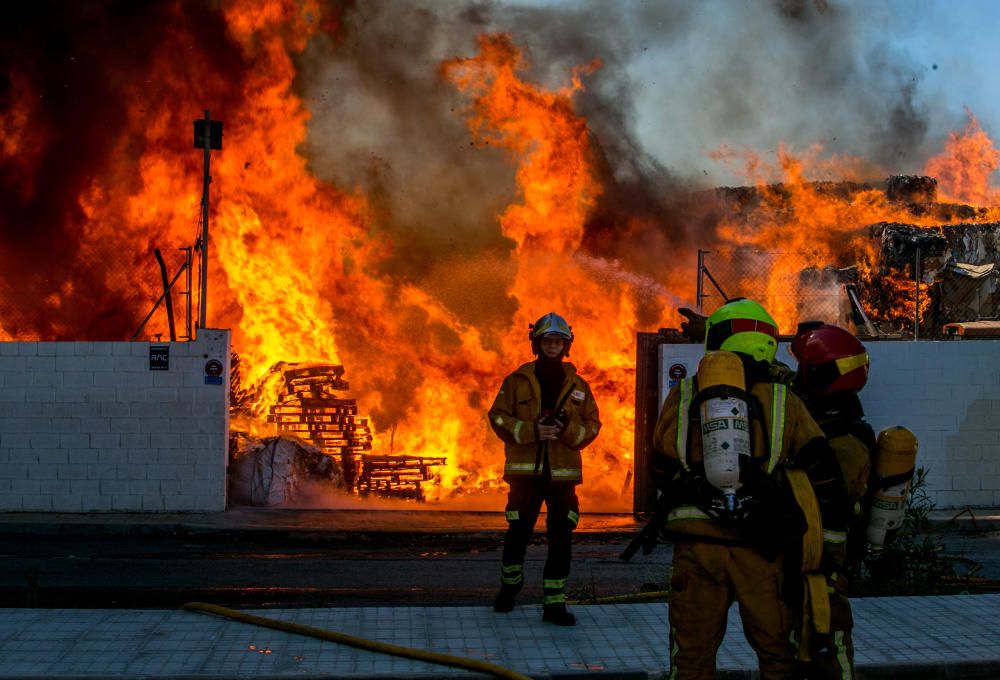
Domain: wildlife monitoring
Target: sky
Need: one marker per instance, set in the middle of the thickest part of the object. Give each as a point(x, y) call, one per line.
point(884, 80)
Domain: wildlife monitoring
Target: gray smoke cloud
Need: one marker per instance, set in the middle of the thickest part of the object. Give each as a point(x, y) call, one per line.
point(677, 80)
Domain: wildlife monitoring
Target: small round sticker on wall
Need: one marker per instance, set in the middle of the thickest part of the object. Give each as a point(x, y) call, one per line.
point(213, 367)
point(677, 372)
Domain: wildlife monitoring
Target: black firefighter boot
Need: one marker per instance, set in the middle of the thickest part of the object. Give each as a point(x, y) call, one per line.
point(558, 614)
point(504, 601)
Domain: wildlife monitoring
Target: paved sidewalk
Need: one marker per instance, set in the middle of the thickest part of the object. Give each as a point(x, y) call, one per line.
point(906, 637)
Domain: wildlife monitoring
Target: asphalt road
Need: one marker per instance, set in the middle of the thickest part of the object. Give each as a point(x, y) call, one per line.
point(152, 569)
point(237, 570)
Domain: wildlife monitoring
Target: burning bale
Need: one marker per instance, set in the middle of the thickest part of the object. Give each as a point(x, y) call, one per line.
point(281, 472)
point(956, 265)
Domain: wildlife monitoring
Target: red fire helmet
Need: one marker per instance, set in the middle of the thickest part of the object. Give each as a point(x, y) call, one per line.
point(830, 358)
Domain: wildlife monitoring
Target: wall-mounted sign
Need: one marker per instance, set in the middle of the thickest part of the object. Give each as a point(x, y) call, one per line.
point(159, 357)
point(213, 372)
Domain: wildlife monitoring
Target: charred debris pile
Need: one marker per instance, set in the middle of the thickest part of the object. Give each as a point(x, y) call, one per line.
point(319, 441)
point(956, 260)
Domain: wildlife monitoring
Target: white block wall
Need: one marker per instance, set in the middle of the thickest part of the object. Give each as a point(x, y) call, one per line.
point(87, 426)
point(947, 393)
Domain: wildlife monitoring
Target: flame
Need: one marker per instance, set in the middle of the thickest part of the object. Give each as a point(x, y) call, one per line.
point(964, 169)
point(301, 271)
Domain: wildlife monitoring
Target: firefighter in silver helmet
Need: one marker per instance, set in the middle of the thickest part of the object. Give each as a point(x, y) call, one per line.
point(545, 414)
point(739, 529)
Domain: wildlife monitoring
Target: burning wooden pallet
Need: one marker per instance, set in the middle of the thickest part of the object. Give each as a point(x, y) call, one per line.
point(309, 408)
point(396, 476)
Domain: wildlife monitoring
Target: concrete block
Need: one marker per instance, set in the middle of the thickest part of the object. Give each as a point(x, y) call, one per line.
point(98, 395)
point(24, 424)
point(15, 440)
point(107, 379)
point(950, 499)
point(36, 503)
point(134, 440)
point(25, 487)
point(78, 379)
point(14, 394)
point(113, 487)
point(82, 457)
point(46, 349)
point(185, 473)
point(168, 487)
point(96, 425)
point(64, 425)
point(964, 482)
point(40, 471)
point(165, 440)
point(20, 471)
point(210, 425)
point(95, 502)
point(190, 439)
point(50, 441)
point(178, 457)
point(10, 364)
point(123, 425)
point(130, 471)
point(55, 487)
point(153, 503)
point(126, 503)
point(120, 349)
point(979, 499)
point(142, 456)
point(210, 503)
point(138, 379)
point(52, 458)
point(40, 366)
point(6, 486)
point(18, 348)
point(10, 379)
point(70, 410)
point(141, 349)
point(179, 503)
point(144, 487)
point(114, 410)
point(39, 395)
point(112, 456)
point(65, 349)
point(10, 502)
point(105, 441)
point(168, 379)
point(75, 441)
point(102, 471)
point(162, 472)
point(149, 424)
point(71, 471)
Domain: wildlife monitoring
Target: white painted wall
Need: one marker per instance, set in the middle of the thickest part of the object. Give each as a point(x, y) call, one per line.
point(947, 393)
point(88, 426)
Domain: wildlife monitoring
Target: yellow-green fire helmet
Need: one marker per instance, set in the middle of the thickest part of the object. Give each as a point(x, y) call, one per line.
point(742, 326)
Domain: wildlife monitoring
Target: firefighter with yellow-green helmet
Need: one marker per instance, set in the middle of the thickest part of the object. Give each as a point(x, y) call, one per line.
point(753, 487)
point(545, 414)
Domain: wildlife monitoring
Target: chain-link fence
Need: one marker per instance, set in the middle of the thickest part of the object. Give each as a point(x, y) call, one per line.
point(794, 287)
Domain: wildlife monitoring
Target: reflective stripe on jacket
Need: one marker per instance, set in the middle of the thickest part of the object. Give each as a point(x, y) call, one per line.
point(517, 408)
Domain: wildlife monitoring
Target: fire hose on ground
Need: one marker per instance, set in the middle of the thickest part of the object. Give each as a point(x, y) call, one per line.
point(362, 643)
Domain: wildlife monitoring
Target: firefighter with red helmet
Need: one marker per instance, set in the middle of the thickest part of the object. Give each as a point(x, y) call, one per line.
point(545, 414)
point(753, 489)
point(832, 369)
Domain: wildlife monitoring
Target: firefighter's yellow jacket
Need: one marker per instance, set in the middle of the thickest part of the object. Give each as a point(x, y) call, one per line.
point(516, 410)
point(784, 429)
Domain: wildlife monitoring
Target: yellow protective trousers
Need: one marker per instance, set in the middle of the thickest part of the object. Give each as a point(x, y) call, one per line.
point(706, 579)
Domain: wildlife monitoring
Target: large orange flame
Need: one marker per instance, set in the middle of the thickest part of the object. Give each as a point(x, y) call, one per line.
point(967, 165)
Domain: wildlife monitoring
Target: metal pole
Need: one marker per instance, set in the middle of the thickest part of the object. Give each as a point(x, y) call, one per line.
point(202, 319)
point(701, 278)
point(916, 298)
point(187, 264)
